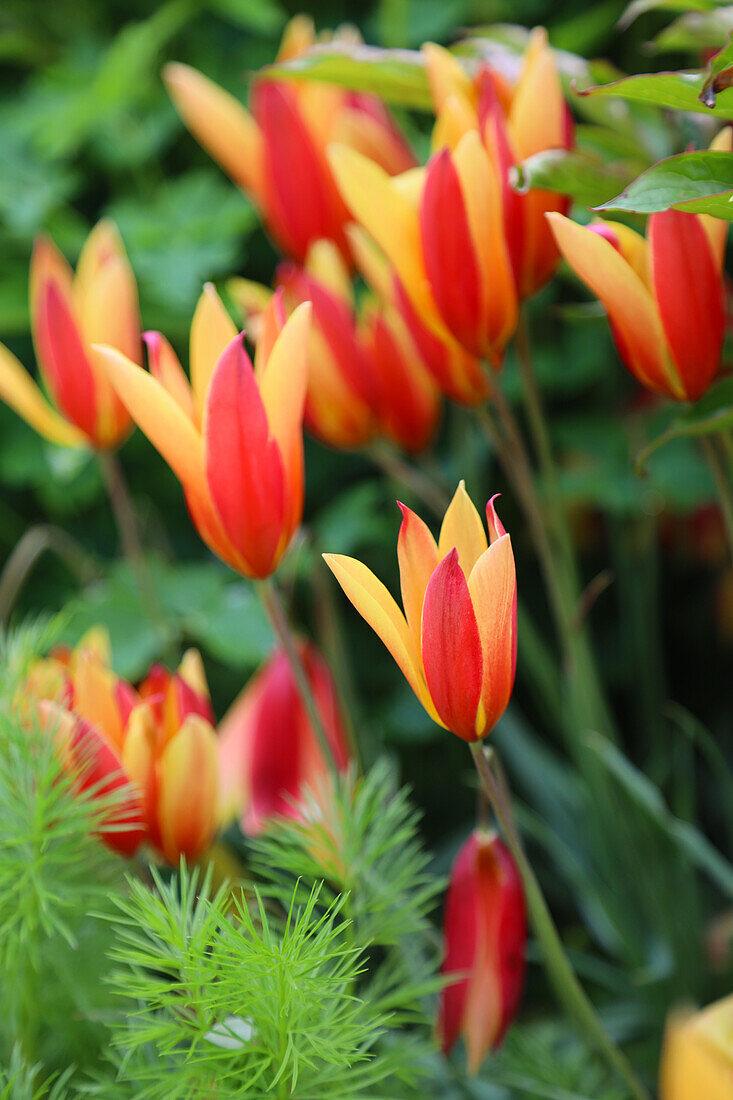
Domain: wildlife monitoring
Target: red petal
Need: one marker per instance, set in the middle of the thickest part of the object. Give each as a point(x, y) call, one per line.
point(460, 936)
point(450, 260)
point(451, 648)
point(689, 293)
point(492, 125)
point(244, 467)
point(63, 359)
point(99, 770)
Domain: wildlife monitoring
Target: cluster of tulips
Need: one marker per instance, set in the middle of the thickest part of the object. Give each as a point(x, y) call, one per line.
point(448, 252)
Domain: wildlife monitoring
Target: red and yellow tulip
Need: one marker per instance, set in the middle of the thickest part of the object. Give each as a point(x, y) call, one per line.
point(697, 1058)
point(70, 312)
point(663, 294)
point(484, 937)
point(233, 434)
point(268, 750)
point(456, 642)
point(277, 154)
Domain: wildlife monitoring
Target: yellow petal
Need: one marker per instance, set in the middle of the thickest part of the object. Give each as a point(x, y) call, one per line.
point(717, 228)
point(188, 791)
point(417, 554)
point(537, 116)
point(299, 34)
point(250, 299)
point(456, 119)
point(462, 528)
point(95, 699)
point(211, 330)
point(326, 264)
point(166, 368)
point(20, 392)
point(284, 378)
point(697, 1057)
point(371, 262)
point(191, 670)
point(492, 585)
point(448, 79)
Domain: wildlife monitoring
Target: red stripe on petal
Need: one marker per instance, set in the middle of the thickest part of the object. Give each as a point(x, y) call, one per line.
point(450, 259)
point(689, 293)
point(64, 361)
point(451, 648)
point(492, 124)
point(244, 467)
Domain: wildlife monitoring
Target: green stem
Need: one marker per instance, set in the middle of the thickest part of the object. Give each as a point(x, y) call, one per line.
point(419, 483)
point(272, 604)
point(35, 542)
point(567, 988)
point(722, 484)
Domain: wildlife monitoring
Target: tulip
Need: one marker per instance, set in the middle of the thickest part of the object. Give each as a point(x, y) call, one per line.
point(233, 435)
point(697, 1058)
point(276, 154)
point(514, 121)
point(456, 643)
point(268, 750)
point(70, 312)
point(173, 696)
point(484, 936)
point(664, 295)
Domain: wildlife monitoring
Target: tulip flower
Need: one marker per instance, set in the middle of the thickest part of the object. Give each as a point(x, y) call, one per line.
point(514, 121)
point(70, 312)
point(233, 435)
point(484, 936)
point(456, 642)
point(697, 1058)
point(663, 294)
point(276, 154)
point(268, 750)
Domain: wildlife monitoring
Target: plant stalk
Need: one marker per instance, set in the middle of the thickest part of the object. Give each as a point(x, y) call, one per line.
point(722, 484)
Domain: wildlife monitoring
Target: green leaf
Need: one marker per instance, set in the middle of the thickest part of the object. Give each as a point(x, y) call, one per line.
point(712, 413)
point(262, 16)
point(720, 74)
point(699, 183)
point(695, 31)
point(583, 176)
point(640, 7)
point(680, 91)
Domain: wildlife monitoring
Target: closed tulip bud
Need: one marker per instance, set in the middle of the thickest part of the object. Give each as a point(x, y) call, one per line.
point(697, 1057)
point(233, 434)
point(456, 642)
point(172, 696)
point(268, 750)
point(484, 936)
point(187, 791)
point(290, 126)
point(70, 312)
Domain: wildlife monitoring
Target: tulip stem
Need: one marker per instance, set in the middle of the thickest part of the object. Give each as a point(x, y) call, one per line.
point(419, 483)
point(273, 607)
point(722, 484)
point(567, 988)
point(35, 542)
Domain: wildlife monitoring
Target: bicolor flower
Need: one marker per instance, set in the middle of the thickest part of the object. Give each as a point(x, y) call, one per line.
point(697, 1056)
point(484, 938)
point(233, 434)
point(515, 119)
point(268, 750)
point(276, 153)
point(663, 294)
point(70, 312)
point(456, 641)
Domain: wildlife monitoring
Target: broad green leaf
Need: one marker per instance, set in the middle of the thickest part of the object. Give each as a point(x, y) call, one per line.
point(695, 31)
point(679, 91)
point(712, 413)
point(700, 183)
point(720, 74)
point(583, 176)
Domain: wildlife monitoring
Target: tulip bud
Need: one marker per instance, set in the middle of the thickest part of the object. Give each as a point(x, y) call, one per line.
point(697, 1057)
point(268, 750)
point(484, 935)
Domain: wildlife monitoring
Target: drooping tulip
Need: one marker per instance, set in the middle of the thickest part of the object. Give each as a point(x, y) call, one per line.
point(664, 294)
point(697, 1057)
point(233, 435)
point(70, 312)
point(484, 937)
point(276, 154)
point(268, 750)
point(456, 642)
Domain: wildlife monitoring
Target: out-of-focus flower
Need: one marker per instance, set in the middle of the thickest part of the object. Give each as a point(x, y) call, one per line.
point(268, 750)
point(69, 313)
point(697, 1057)
point(233, 435)
point(484, 936)
point(276, 154)
point(456, 642)
point(515, 120)
point(365, 374)
point(664, 294)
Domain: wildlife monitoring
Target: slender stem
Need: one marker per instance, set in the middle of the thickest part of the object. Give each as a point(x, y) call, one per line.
point(722, 484)
point(35, 542)
point(272, 604)
point(419, 483)
point(565, 983)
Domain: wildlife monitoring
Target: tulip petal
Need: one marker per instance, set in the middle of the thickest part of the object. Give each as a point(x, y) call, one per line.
point(100, 773)
point(187, 791)
point(63, 360)
point(451, 649)
point(165, 366)
point(689, 292)
point(462, 528)
point(212, 330)
point(493, 587)
point(417, 554)
point(447, 77)
point(20, 392)
point(326, 265)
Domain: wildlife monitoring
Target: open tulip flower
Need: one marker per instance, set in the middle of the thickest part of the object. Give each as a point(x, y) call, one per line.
point(276, 154)
point(268, 750)
point(663, 294)
point(514, 121)
point(485, 938)
point(233, 434)
point(456, 643)
point(70, 312)
point(697, 1058)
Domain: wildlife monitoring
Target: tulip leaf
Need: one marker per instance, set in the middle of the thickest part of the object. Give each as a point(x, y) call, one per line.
point(582, 175)
point(720, 74)
point(641, 7)
point(680, 91)
point(699, 183)
point(712, 413)
point(398, 76)
point(695, 31)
